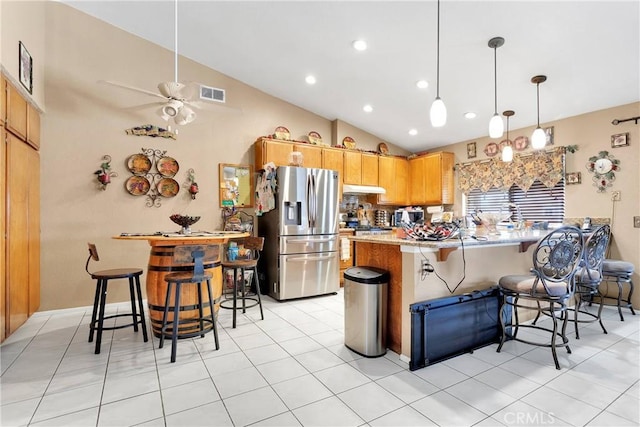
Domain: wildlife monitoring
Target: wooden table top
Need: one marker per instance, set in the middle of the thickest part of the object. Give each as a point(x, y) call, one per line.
point(174, 239)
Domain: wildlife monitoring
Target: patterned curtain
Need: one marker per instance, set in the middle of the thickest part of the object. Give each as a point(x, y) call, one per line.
point(545, 166)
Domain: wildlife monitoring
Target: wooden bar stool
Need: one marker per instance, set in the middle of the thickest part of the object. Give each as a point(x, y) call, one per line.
point(189, 327)
point(247, 262)
point(99, 301)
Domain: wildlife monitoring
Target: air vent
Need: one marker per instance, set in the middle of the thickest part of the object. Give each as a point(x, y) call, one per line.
point(212, 93)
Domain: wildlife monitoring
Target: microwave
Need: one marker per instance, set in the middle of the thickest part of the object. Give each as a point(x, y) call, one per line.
point(415, 215)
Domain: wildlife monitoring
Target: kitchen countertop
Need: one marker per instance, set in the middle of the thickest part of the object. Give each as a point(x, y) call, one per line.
point(522, 238)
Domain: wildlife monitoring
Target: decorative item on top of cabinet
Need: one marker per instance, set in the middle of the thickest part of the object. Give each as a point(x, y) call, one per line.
point(315, 138)
point(150, 130)
point(152, 184)
point(104, 174)
point(349, 142)
point(191, 183)
point(282, 132)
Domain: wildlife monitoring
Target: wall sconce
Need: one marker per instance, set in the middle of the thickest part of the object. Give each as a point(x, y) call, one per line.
point(104, 174)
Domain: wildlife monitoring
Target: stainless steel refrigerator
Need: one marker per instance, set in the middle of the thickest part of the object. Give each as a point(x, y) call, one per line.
point(300, 255)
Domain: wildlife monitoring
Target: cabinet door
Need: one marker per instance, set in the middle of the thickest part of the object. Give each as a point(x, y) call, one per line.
point(19, 174)
point(3, 232)
point(16, 121)
point(352, 168)
point(433, 179)
point(34, 231)
point(33, 127)
point(448, 190)
point(401, 179)
point(386, 172)
point(369, 169)
point(3, 101)
point(417, 182)
point(332, 159)
point(311, 155)
point(272, 151)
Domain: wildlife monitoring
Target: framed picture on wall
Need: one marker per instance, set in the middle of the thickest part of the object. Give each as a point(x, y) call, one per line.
point(471, 150)
point(573, 178)
point(620, 140)
point(25, 67)
point(549, 134)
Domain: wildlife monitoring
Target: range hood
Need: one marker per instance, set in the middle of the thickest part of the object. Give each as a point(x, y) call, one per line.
point(362, 189)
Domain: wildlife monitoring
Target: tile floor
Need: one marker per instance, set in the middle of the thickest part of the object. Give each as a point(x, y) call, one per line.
point(292, 368)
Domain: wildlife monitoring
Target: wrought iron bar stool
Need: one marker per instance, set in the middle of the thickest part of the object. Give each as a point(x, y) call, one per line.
point(551, 283)
point(191, 327)
point(237, 267)
point(589, 276)
point(620, 272)
point(97, 318)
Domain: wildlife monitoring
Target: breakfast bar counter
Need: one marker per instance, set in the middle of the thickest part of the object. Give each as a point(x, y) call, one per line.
point(161, 263)
point(424, 270)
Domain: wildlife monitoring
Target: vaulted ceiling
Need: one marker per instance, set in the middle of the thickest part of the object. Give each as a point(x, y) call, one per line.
point(589, 50)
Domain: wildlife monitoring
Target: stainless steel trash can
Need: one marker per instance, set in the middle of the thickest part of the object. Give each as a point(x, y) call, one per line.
point(365, 310)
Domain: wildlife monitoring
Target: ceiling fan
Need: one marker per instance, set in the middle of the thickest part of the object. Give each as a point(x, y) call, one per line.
point(178, 98)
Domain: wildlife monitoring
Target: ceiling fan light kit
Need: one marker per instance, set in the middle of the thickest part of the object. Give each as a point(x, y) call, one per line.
point(539, 138)
point(496, 126)
point(438, 113)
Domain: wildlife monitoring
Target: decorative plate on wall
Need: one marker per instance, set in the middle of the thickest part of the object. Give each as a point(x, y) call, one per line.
point(139, 164)
point(349, 142)
point(382, 148)
point(137, 185)
point(167, 166)
point(520, 143)
point(491, 149)
point(168, 187)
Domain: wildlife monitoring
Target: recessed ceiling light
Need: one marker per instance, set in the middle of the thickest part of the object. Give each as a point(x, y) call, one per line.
point(422, 84)
point(469, 115)
point(310, 80)
point(413, 132)
point(367, 108)
point(360, 45)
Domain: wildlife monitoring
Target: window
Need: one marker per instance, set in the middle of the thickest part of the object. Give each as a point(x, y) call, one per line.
point(538, 204)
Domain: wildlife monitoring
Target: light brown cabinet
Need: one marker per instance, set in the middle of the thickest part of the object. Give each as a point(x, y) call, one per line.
point(311, 155)
point(432, 179)
point(360, 168)
point(393, 175)
point(19, 211)
point(346, 262)
point(269, 150)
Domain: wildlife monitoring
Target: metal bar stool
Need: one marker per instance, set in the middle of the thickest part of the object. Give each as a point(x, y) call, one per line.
point(237, 266)
point(620, 272)
point(99, 301)
point(195, 326)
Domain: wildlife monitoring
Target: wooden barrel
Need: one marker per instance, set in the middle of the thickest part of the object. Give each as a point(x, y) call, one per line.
point(161, 263)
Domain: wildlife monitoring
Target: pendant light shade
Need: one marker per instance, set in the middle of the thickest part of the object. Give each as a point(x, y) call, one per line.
point(507, 150)
point(438, 111)
point(539, 138)
point(496, 126)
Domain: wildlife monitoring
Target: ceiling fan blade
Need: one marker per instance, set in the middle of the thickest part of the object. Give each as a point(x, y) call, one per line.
point(145, 106)
point(135, 89)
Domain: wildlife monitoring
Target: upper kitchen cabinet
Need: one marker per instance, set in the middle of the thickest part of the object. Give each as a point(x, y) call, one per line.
point(269, 150)
point(393, 176)
point(15, 111)
point(311, 155)
point(432, 179)
point(332, 158)
point(3, 100)
point(360, 168)
point(33, 127)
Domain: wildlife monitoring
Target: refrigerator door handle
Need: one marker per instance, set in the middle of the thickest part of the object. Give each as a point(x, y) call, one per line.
point(314, 201)
point(309, 206)
point(322, 240)
point(311, 258)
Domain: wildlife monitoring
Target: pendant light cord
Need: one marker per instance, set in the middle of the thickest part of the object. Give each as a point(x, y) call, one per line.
point(175, 50)
point(495, 80)
point(538, 101)
point(438, 55)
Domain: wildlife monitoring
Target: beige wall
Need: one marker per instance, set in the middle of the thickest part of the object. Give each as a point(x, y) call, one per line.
point(84, 121)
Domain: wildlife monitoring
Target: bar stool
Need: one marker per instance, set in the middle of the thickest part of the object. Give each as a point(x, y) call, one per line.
point(237, 266)
point(99, 301)
point(551, 282)
point(589, 276)
point(194, 326)
point(620, 272)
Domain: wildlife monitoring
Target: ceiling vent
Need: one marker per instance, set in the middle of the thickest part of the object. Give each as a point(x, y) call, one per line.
point(212, 93)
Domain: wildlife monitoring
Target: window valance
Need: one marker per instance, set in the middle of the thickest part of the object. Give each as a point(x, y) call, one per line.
point(545, 166)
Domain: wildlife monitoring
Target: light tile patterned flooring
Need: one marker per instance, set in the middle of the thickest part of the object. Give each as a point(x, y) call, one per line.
point(292, 368)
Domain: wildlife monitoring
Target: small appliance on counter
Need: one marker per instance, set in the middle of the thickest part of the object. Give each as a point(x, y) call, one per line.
point(409, 215)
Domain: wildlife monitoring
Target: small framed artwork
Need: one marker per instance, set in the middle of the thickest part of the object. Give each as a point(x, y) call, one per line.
point(573, 178)
point(549, 134)
point(620, 140)
point(25, 68)
point(471, 150)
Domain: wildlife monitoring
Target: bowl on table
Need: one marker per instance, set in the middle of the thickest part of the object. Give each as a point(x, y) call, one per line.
point(184, 221)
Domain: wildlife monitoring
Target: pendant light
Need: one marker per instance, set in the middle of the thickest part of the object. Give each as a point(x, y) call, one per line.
point(496, 126)
point(438, 111)
point(507, 150)
point(539, 138)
